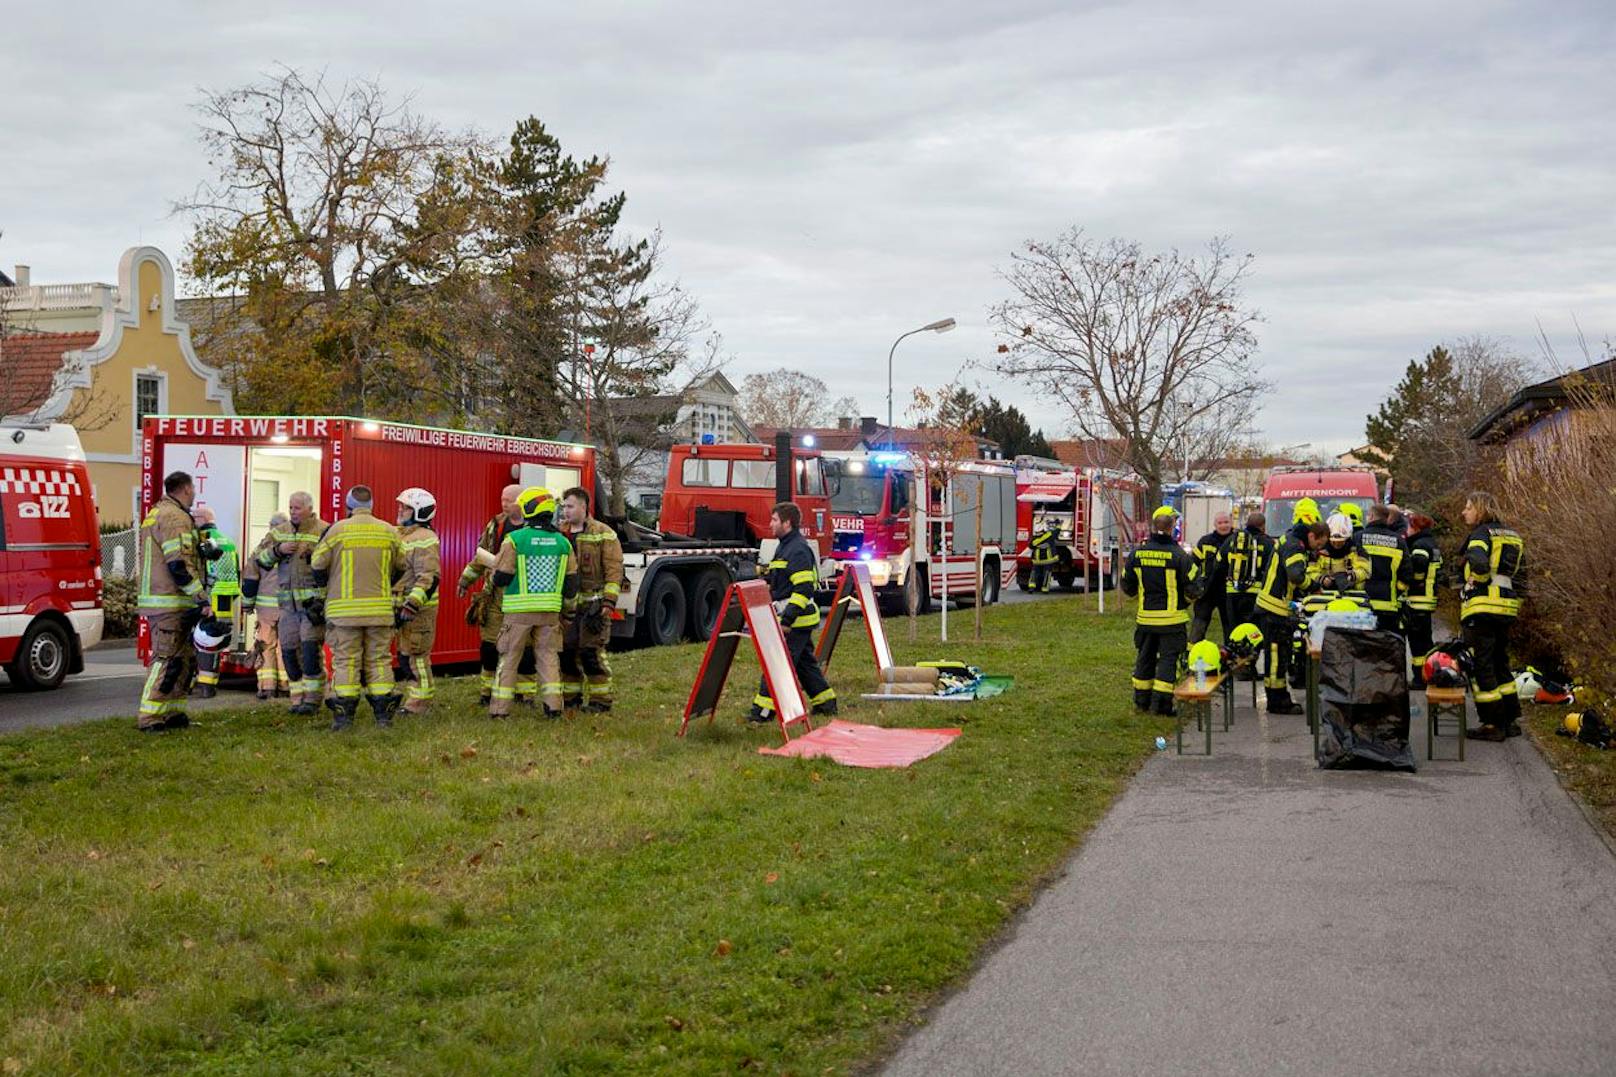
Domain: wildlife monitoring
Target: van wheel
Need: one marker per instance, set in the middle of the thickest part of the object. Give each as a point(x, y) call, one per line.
point(663, 621)
point(42, 658)
point(706, 602)
point(991, 581)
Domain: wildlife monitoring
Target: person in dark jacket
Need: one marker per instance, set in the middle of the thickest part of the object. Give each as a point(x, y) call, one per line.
point(1425, 571)
point(1286, 577)
point(1389, 568)
point(1209, 564)
point(1165, 580)
point(793, 575)
point(1494, 581)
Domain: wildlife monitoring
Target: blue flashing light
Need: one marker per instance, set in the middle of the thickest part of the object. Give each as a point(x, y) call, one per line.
point(887, 458)
point(709, 439)
point(865, 556)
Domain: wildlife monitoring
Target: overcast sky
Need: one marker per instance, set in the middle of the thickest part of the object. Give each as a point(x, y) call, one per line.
point(828, 175)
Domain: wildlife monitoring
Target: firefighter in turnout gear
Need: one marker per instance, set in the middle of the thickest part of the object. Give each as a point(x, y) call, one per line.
point(1494, 580)
point(356, 562)
point(1340, 566)
point(415, 595)
point(1287, 575)
point(171, 599)
point(1166, 580)
point(264, 604)
point(1389, 568)
point(1210, 567)
point(793, 576)
point(486, 608)
point(1245, 564)
point(586, 676)
point(537, 575)
point(1045, 556)
point(1425, 571)
point(301, 624)
point(223, 566)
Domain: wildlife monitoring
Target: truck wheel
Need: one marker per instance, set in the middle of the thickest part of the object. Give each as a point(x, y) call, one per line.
point(663, 621)
point(990, 583)
point(706, 601)
point(918, 590)
point(1023, 578)
point(42, 657)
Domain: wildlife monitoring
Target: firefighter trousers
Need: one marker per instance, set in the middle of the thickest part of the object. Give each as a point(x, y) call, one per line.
point(538, 634)
point(361, 660)
point(302, 646)
point(1206, 608)
point(1276, 631)
point(586, 675)
point(800, 646)
point(1155, 667)
point(173, 665)
point(415, 639)
point(1492, 683)
point(271, 664)
point(1420, 643)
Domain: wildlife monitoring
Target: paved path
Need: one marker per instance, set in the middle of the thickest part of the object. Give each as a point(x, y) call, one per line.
point(1248, 914)
point(108, 687)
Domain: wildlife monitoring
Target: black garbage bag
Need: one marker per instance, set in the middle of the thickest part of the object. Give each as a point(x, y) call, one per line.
point(1363, 700)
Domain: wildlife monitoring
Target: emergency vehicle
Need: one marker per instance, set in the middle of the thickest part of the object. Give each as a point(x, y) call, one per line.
point(1329, 487)
point(877, 498)
point(1098, 516)
point(50, 556)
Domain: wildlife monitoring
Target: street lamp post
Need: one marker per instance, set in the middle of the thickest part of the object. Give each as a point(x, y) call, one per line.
point(941, 326)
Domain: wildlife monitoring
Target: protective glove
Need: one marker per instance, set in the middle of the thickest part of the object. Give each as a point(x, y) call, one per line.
point(781, 605)
point(593, 618)
point(315, 608)
point(406, 613)
point(210, 549)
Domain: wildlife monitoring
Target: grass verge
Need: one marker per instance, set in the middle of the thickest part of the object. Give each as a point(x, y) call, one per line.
point(256, 895)
point(1587, 772)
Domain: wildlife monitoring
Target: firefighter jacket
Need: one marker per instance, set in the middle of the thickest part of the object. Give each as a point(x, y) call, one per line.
point(260, 586)
point(356, 561)
point(793, 575)
point(297, 584)
point(1209, 562)
point(171, 572)
point(1334, 560)
point(1287, 573)
point(1042, 547)
point(1165, 579)
point(600, 562)
point(537, 572)
point(1244, 559)
point(223, 564)
point(1494, 572)
point(418, 586)
point(1425, 571)
point(1389, 567)
point(494, 533)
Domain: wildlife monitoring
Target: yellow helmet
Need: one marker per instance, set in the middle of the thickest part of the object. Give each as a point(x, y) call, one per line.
point(1344, 605)
point(1207, 652)
point(1245, 641)
point(1572, 724)
point(1164, 511)
point(1352, 511)
point(1307, 512)
point(535, 501)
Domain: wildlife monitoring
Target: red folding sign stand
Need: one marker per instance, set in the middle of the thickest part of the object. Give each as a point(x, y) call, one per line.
point(854, 581)
point(748, 612)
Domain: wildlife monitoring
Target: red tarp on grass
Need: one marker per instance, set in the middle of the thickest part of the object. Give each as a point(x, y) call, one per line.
point(855, 745)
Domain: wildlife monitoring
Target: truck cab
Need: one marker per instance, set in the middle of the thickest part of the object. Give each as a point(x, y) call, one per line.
point(1329, 487)
point(725, 492)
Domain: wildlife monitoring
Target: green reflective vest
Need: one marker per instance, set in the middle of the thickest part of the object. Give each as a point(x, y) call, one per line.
point(543, 561)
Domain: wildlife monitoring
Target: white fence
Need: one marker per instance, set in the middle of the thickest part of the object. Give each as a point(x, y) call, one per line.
point(118, 550)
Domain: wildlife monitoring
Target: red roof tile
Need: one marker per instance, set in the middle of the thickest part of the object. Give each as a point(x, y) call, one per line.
point(28, 366)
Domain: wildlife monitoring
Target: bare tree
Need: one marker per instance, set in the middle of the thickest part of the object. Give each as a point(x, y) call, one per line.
point(1154, 350)
point(785, 399)
point(945, 443)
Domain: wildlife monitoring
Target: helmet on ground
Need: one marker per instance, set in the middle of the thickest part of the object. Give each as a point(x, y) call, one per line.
point(1164, 512)
point(1352, 511)
point(536, 502)
point(1442, 670)
point(422, 505)
point(1571, 724)
point(1208, 653)
point(1245, 641)
point(211, 635)
point(1307, 512)
point(1340, 526)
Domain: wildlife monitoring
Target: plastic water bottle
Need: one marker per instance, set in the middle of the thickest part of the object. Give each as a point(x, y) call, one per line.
point(1161, 744)
point(1200, 674)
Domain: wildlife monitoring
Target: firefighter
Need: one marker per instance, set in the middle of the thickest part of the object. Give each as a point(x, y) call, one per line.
point(301, 624)
point(485, 611)
point(416, 595)
point(1044, 554)
point(586, 676)
point(538, 575)
point(1305, 516)
point(1244, 560)
point(264, 603)
point(1494, 580)
point(1209, 565)
point(223, 566)
point(171, 599)
point(1166, 580)
point(1340, 566)
point(1355, 513)
point(355, 562)
point(1286, 576)
point(1389, 568)
point(793, 575)
point(1425, 570)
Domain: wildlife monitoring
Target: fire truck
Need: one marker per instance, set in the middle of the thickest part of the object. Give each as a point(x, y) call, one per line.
point(877, 497)
point(1098, 516)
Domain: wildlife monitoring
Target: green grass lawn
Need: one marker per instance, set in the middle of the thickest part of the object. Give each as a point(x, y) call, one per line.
point(257, 895)
point(1587, 772)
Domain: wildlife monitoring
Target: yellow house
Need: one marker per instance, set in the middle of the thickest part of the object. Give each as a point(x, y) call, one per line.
point(140, 363)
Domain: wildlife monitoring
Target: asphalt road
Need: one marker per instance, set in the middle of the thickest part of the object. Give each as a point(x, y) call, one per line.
point(1249, 914)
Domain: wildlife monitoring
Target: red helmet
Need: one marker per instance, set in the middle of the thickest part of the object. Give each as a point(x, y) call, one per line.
point(1442, 670)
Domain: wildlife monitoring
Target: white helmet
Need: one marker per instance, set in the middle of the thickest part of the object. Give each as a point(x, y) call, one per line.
point(1340, 526)
point(211, 635)
point(421, 504)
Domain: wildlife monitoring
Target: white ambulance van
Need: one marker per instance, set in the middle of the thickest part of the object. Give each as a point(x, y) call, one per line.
point(50, 556)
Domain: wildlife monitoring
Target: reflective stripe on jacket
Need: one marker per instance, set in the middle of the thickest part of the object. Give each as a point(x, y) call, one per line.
point(793, 576)
point(1425, 568)
point(1494, 573)
point(543, 571)
point(168, 537)
point(422, 567)
point(358, 557)
point(1165, 579)
point(600, 561)
point(1389, 567)
point(1287, 572)
point(1245, 560)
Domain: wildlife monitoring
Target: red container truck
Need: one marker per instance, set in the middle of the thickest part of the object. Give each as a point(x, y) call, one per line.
point(1098, 517)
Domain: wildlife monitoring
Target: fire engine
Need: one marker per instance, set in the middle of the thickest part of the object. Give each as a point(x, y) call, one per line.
point(1098, 516)
point(878, 498)
point(1329, 487)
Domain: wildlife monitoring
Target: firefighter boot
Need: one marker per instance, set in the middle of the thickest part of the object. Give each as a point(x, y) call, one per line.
point(343, 711)
point(384, 707)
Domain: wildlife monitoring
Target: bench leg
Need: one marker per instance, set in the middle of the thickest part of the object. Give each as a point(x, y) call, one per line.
point(1206, 706)
point(1178, 722)
point(1430, 731)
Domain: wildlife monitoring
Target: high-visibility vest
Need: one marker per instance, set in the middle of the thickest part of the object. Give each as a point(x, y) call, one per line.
point(542, 562)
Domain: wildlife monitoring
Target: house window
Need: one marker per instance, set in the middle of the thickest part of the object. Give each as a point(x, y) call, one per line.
point(148, 397)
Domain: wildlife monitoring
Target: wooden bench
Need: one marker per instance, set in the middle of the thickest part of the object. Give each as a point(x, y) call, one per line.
point(1438, 700)
point(1188, 698)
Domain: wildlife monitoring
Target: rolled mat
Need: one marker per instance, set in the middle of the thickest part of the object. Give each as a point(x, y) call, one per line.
point(910, 689)
point(908, 675)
